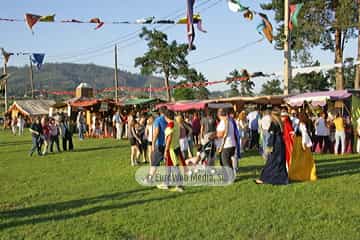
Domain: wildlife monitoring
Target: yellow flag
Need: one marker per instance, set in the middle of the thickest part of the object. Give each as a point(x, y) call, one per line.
point(49, 18)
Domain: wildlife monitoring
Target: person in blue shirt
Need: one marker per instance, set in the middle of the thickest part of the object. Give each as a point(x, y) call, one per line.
point(158, 143)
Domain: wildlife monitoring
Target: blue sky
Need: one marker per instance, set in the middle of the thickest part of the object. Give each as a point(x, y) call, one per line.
point(63, 42)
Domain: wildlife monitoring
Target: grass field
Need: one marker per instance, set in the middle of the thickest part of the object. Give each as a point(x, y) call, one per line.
point(92, 194)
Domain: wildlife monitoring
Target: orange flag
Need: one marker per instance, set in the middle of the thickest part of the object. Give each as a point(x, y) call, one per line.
point(98, 22)
point(31, 20)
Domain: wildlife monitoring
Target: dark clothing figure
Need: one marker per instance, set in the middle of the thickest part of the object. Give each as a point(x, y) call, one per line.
point(66, 134)
point(54, 139)
point(36, 138)
point(275, 171)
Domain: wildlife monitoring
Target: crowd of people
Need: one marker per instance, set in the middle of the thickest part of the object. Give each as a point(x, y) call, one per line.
point(286, 138)
point(47, 132)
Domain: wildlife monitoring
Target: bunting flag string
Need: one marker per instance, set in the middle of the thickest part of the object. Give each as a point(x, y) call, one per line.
point(245, 76)
point(36, 58)
point(32, 19)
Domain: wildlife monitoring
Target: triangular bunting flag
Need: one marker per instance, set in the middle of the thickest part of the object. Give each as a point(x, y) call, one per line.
point(235, 6)
point(266, 27)
point(148, 20)
point(31, 20)
point(294, 13)
point(98, 22)
point(190, 23)
point(38, 59)
point(196, 20)
point(49, 18)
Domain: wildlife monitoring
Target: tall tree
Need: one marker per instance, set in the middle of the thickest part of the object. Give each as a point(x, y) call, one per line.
point(162, 57)
point(246, 86)
point(234, 91)
point(184, 93)
point(325, 23)
point(313, 81)
point(199, 79)
point(349, 74)
point(271, 87)
point(202, 92)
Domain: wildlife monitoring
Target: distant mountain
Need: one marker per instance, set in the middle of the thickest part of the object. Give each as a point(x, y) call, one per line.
point(67, 76)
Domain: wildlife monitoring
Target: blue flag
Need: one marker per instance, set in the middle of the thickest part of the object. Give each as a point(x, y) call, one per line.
point(38, 59)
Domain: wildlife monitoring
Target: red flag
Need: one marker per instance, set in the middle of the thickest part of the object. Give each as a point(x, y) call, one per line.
point(98, 22)
point(31, 20)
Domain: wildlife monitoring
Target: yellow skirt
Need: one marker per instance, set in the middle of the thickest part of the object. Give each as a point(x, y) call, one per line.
point(302, 167)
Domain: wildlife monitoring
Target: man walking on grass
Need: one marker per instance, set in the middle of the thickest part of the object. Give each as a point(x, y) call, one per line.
point(36, 132)
point(158, 144)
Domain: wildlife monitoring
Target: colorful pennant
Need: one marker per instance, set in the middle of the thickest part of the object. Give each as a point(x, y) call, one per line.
point(98, 22)
point(249, 15)
point(31, 20)
point(49, 18)
point(148, 20)
point(38, 59)
point(294, 13)
point(190, 24)
point(196, 19)
point(265, 28)
point(235, 6)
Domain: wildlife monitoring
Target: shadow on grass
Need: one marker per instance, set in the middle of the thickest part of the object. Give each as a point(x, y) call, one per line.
point(23, 142)
point(65, 206)
point(98, 148)
point(339, 159)
point(338, 169)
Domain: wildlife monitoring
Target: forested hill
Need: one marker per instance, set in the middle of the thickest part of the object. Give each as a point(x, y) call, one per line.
point(66, 76)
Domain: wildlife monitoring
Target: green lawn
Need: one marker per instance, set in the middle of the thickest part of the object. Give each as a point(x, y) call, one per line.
point(92, 194)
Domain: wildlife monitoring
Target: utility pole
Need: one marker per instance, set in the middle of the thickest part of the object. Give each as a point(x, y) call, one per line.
point(31, 74)
point(287, 49)
point(150, 91)
point(357, 72)
point(5, 86)
point(116, 76)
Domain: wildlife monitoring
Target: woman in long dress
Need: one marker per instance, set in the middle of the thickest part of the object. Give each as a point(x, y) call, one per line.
point(288, 134)
point(302, 166)
point(274, 171)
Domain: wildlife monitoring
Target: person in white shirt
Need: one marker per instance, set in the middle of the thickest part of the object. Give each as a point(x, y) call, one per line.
point(265, 123)
point(20, 125)
point(149, 130)
point(322, 133)
point(294, 120)
point(226, 142)
point(117, 124)
point(14, 125)
point(253, 119)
